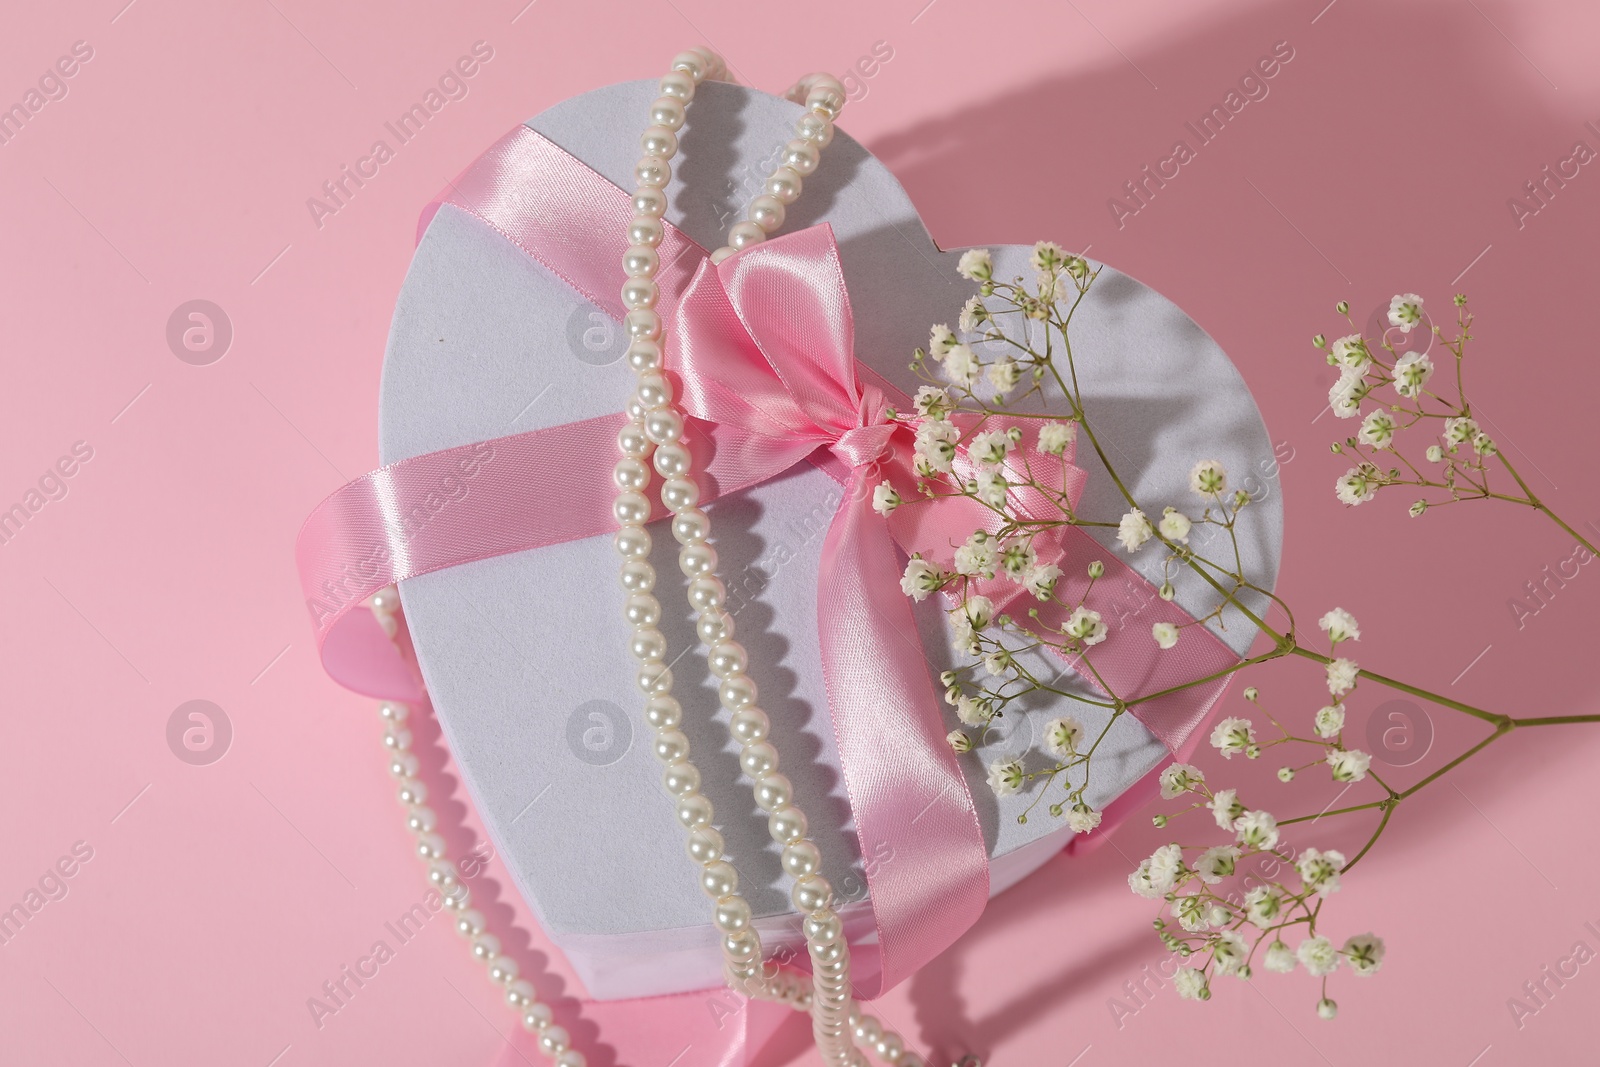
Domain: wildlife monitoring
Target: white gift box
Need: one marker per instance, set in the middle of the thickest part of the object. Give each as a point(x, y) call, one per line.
point(524, 654)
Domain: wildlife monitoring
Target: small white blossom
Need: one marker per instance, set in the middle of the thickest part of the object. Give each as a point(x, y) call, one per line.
point(1134, 530)
point(977, 558)
point(976, 264)
point(1318, 955)
point(1156, 876)
point(1165, 633)
point(1191, 984)
point(1411, 373)
point(997, 664)
point(1086, 625)
point(1017, 558)
point(963, 638)
point(1483, 444)
point(1054, 437)
point(1047, 256)
point(1346, 394)
point(936, 443)
point(1349, 764)
point(941, 339)
point(1178, 778)
point(921, 578)
point(958, 741)
point(1226, 808)
point(978, 610)
point(1340, 625)
point(1280, 958)
point(972, 314)
point(1320, 870)
point(884, 498)
point(1365, 953)
point(1327, 1008)
point(1233, 735)
point(1351, 351)
point(1041, 580)
point(961, 366)
point(1256, 829)
point(1355, 487)
point(1061, 736)
point(1262, 906)
point(1209, 478)
point(973, 712)
point(1175, 526)
point(1005, 777)
point(1081, 818)
point(1342, 676)
point(1405, 311)
point(1190, 911)
point(1459, 431)
point(1377, 430)
point(932, 402)
point(1004, 376)
point(1329, 721)
point(990, 486)
point(1216, 863)
point(1229, 952)
point(990, 447)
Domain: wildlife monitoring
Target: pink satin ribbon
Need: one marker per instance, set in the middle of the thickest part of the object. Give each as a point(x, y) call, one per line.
point(762, 350)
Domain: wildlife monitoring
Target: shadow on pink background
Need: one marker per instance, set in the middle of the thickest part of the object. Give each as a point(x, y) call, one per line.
point(177, 166)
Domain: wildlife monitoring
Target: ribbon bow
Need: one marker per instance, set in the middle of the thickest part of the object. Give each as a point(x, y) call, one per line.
point(762, 349)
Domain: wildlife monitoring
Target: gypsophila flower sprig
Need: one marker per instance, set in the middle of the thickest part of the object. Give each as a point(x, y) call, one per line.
point(978, 437)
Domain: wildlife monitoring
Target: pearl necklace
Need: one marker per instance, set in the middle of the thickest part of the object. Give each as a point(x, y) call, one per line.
point(654, 431)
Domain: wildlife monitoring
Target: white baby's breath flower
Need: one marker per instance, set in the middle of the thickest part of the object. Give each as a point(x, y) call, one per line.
point(1256, 829)
point(1175, 526)
point(1209, 478)
point(979, 610)
point(1017, 558)
point(1460, 430)
point(963, 638)
point(1320, 870)
point(1434, 453)
point(936, 443)
point(1483, 444)
point(977, 558)
point(1377, 430)
point(997, 664)
point(1405, 311)
point(932, 402)
point(1047, 256)
point(959, 741)
point(1411, 373)
point(1216, 863)
point(1280, 958)
point(973, 314)
point(1318, 955)
point(1054, 437)
point(884, 498)
point(1329, 721)
point(1061, 736)
point(1086, 625)
point(1348, 764)
point(1327, 1008)
point(1191, 984)
point(921, 578)
point(962, 366)
point(976, 264)
point(1351, 351)
point(1229, 952)
point(1134, 530)
point(1081, 818)
point(1355, 486)
point(1340, 625)
point(989, 485)
point(1005, 777)
point(1155, 876)
point(1165, 633)
point(1233, 735)
point(1365, 953)
point(1048, 285)
point(1190, 911)
point(941, 339)
point(1226, 808)
point(1041, 580)
point(1346, 394)
point(1178, 778)
point(1262, 906)
point(1342, 676)
point(990, 447)
point(973, 711)
point(1004, 376)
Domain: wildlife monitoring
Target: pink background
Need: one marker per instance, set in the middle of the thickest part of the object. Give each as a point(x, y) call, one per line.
point(177, 167)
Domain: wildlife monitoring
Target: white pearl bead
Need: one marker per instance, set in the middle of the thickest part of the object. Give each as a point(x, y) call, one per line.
point(695, 560)
point(910, 1059)
point(638, 576)
point(705, 844)
point(785, 184)
point(572, 1058)
point(679, 493)
point(722, 253)
point(758, 759)
point(736, 693)
point(469, 923)
point(889, 1047)
point(732, 914)
point(654, 391)
point(801, 157)
point(663, 711)
point(642, 324)
point(691, 63)
point(681, 778)
point(553, 1040)
point(641, 609)
point(421, 819)
point(787, 825)
point(646, 230)
point(653, 172)
point(727, 658)
point(694, 810)
point(824, 80)
point(631, 508)
point(691, 525)
point(485, 946)
point(412, 791)
point(649, 202)
point(659, 141)
point(654, 678)
point(644, 355)
point(632, 542)
point(678, 85)
point(431, 847)
point(714, 627)
point(458, 897)
point(825, 99)
point(520, 994)
point(719, 879)
point(635, 409)
point(442, 874)
point(640, 261)
point(404, 764)
point(648, 644)
point(536, 1017)
point(390, 711)
point(639, 293)
point(671, 745)
point(631, 439)
point(827, 952)
point(774, 791)
point(630, 473)
point(743, 235)
point(397, 738)
point(767, 212)
point(671, 461)
point(749, 725)
point(811, 894)
point(503, 969)
point(707, 594)
point(742, 945)
point(668, 112)
point(663, 427)
point(822, 927)
point(811, 127)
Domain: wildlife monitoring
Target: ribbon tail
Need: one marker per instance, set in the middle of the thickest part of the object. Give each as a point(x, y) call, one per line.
point(928, 869)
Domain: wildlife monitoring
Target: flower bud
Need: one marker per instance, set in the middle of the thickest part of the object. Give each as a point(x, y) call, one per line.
point(1251, 693)
point(1342, 307)
point(1097, 569)
point(1166, 592)
point(1435, 454)
point(1320, 341)
point(1460, 300)
point(1158, 821)
point(1285, 774)
point(1327, 1009)
point(959, 741)
point(1418, 508)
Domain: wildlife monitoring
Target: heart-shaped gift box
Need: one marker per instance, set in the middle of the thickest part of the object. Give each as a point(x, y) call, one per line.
point(523, 653)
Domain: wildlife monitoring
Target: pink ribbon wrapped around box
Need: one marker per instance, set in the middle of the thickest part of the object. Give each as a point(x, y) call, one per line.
point(494, 516)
